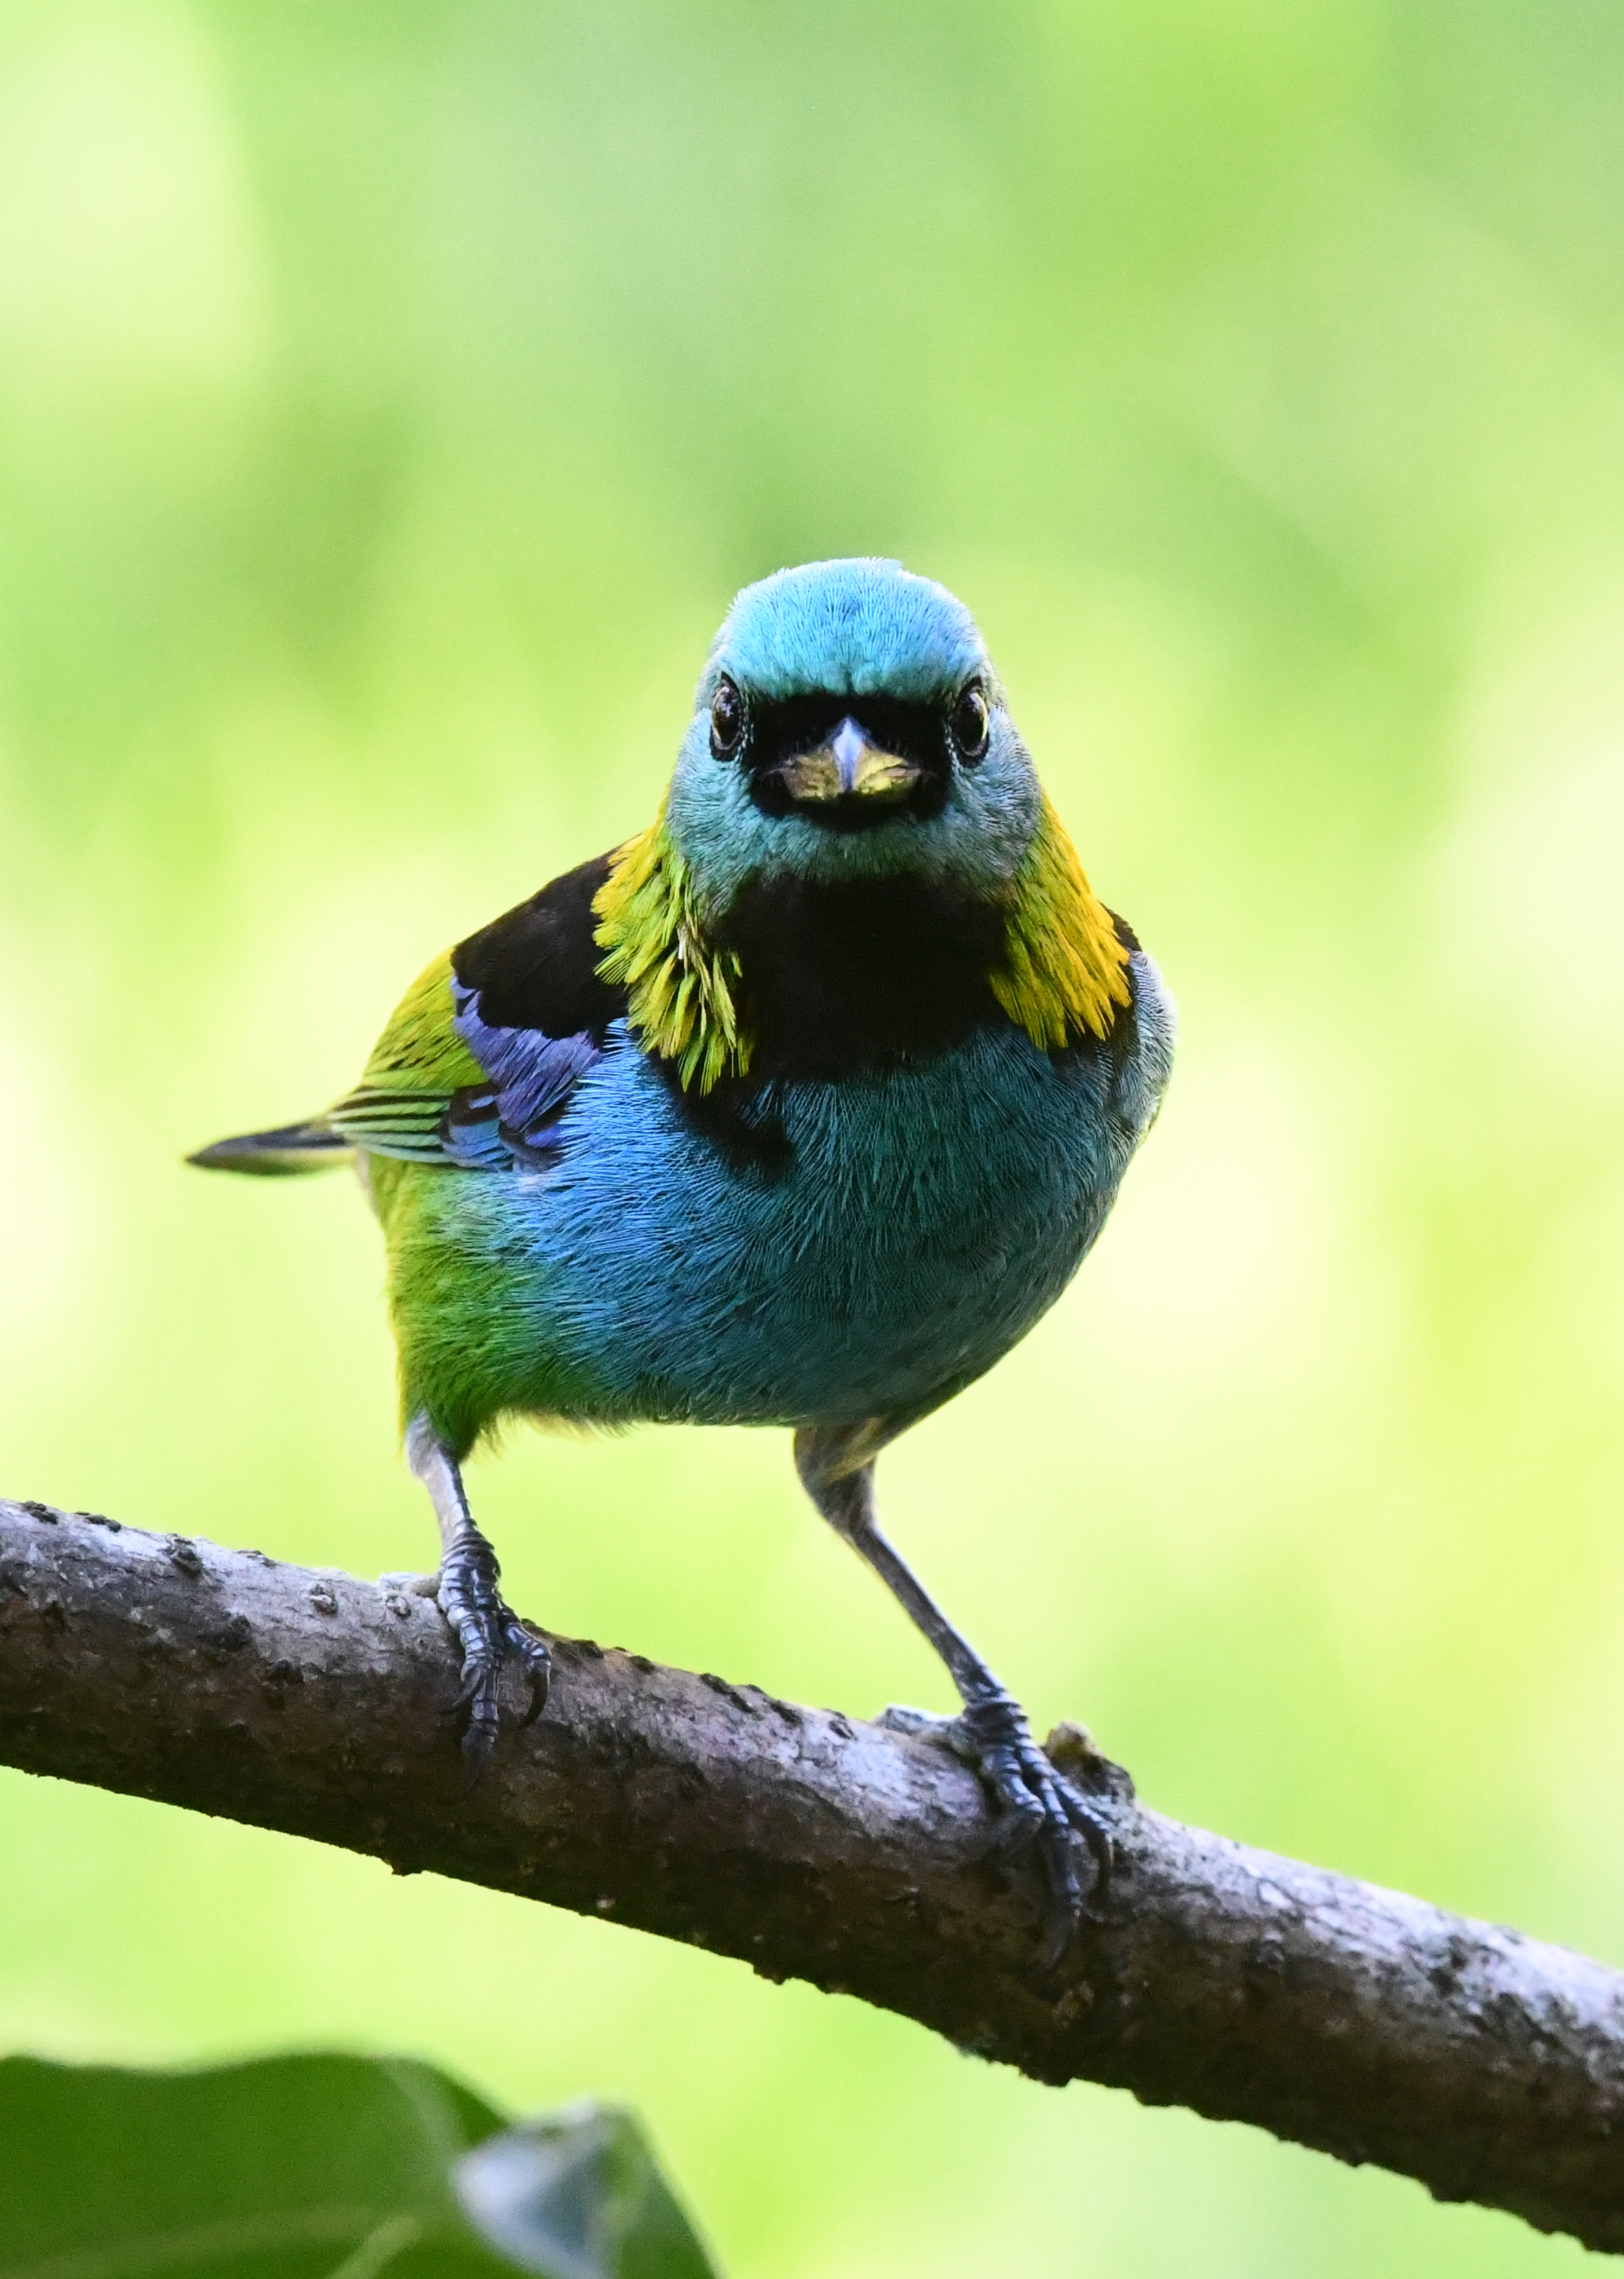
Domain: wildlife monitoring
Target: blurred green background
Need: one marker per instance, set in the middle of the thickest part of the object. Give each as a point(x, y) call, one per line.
point(392, 397)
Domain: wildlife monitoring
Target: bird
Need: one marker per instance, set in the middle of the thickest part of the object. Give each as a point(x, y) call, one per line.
point(798, 1108)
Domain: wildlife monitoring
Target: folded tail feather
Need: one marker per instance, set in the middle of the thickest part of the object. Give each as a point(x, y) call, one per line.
point(313, 1146)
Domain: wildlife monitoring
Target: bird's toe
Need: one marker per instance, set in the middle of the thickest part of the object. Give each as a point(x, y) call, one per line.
point(489, 1633)
point(534, 1659)
point(1037, 1809)
point(481, 1727)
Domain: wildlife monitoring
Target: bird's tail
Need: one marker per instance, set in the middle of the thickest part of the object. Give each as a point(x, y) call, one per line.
point(313, 1146)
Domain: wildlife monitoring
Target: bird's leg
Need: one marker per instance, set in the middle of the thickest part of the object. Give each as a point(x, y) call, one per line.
point(991, 1731)
point(487, 1628)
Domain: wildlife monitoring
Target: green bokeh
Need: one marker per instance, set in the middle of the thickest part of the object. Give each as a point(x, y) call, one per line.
point(391, 398)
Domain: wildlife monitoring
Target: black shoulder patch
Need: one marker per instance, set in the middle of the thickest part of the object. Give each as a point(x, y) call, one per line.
point(1124, 932)
point(537, 967)
point(845, 977)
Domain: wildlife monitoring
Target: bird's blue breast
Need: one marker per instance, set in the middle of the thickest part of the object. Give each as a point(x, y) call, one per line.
point(905, 1228)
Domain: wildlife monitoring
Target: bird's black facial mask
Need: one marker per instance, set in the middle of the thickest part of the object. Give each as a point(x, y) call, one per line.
point(841, 763)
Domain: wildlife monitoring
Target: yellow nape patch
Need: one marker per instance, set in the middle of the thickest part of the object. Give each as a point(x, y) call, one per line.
point(680, 989)
point(1064, 969)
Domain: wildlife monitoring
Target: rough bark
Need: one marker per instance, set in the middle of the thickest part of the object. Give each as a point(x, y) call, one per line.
point(1246, 1987)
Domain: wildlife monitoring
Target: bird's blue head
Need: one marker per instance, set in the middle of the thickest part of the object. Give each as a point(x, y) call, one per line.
point(848, 723)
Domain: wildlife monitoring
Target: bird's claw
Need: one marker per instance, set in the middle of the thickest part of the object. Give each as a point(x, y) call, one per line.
point(489, 1631)
point(1037, 1805)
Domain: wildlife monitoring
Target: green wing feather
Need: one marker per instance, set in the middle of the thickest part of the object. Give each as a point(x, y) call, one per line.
point(416, 1066)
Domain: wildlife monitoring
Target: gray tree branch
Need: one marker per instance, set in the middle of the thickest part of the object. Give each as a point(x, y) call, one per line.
point(1353, 2019)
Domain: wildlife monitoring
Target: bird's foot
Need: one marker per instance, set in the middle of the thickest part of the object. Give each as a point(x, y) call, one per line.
point(1037, 1805)
point(488, 1631)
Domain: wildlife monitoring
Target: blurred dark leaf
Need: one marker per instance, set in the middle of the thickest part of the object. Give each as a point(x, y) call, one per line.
point(318, 2167)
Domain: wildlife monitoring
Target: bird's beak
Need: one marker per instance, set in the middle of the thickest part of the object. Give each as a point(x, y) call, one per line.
point(849, 766)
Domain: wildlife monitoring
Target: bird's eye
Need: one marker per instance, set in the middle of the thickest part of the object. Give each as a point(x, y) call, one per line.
point(727, 719)
point(970, 723)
